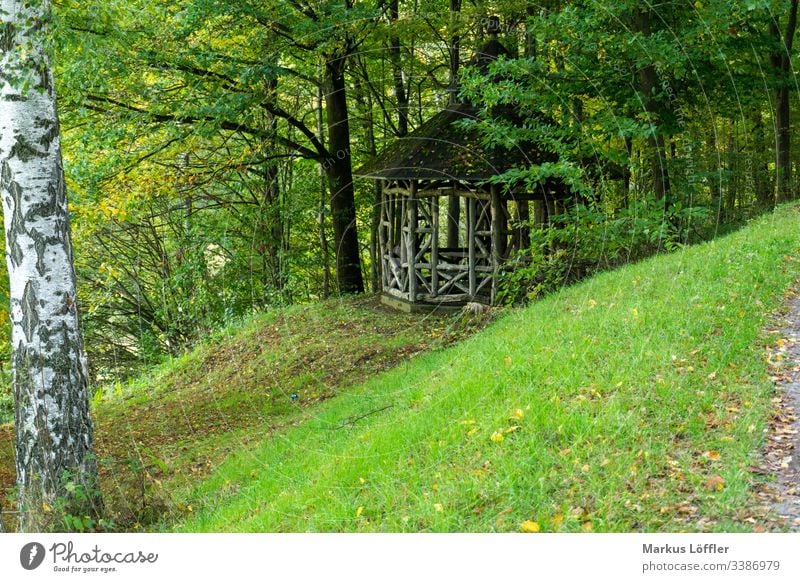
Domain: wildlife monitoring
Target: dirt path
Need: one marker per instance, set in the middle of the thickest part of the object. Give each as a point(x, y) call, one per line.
point(782, 449)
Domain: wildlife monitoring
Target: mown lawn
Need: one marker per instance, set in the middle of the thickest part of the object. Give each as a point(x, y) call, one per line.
point(635, 401)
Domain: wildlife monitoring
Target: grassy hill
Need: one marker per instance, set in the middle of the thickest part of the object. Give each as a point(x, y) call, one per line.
point(166, 430)
point(635, 401)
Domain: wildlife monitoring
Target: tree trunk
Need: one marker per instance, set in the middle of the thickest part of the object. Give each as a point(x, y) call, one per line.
point(648, 81)
point(338, 168)
point(453, 201)
point(761, 174)
point(271, 231)
point(54, 448)
point(782, 62)
point(323, 236)
point(397, 74)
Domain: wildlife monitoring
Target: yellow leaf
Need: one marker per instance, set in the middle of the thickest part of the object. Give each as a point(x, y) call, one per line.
point(514, 428)
point(587, 526)
point(592, 303)
point(46, 508)
point(472, 432)
point(712, 455)
point(507, 360)
point(557, 520)
point(497, 437)
point(518, 414)
point(359, 511)
point(529, 526)
point(585, 469)
point(438, 507)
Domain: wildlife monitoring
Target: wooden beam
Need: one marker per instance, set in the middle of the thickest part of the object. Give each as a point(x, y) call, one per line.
point(435, 246)
point(471, 219)
point(498, 236)
point(411, 241)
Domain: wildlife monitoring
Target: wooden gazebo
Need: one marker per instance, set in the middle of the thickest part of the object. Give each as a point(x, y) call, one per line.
point(446, 228)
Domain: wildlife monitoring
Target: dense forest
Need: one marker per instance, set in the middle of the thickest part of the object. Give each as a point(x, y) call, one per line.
point(212, 148)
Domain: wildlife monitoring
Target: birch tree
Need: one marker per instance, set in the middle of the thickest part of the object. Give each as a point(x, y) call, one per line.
point(54, 460)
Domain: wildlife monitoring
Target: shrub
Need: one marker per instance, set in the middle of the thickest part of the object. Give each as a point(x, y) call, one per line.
point(587, 239)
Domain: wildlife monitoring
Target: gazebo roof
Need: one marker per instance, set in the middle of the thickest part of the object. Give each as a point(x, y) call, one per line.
point(441, 149)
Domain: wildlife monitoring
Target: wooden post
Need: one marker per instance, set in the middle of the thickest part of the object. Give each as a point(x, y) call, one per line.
point(471, 220)
point(411, 241)
point(385, 249)
point(453, 215)
point(498, 235)
point(435, 246)
point(523, 230)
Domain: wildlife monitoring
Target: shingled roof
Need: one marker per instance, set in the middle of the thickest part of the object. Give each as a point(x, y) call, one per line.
point(441, 149)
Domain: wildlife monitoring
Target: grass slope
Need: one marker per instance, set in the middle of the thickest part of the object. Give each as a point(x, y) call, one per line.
point(635, 401)
point(161, 433)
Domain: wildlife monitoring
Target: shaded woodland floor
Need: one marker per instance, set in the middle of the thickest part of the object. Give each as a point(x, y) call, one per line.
point(181, 421)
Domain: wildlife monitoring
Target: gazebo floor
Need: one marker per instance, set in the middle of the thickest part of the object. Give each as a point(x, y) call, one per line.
point(421, 307)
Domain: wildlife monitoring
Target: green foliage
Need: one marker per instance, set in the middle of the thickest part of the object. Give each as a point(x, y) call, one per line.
point(586, 240)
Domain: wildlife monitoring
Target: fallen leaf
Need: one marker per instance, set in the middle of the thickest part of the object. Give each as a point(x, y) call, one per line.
point(507, 360)
point(497, 437)
point(359, 511)
point(712, 455)
point(438, 507)
point(529, 526)
point(715, 483)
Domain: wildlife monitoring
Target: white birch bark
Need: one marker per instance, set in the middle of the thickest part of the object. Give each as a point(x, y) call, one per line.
point(53, 427)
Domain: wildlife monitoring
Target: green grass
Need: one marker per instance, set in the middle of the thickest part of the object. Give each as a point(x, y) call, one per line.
point(639, 399)
point(164, 431)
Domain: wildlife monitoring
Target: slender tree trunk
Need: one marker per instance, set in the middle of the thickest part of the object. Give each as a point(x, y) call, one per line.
point(323, 236)
point(53, 428)
point(648, 81)
point(365, 104)
point(761, 173)
point(453, 201)
point(397, 73)
point(715, 171)
point(271, 227)
point(782, 62)
point(338, 168)
point(627, 172)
